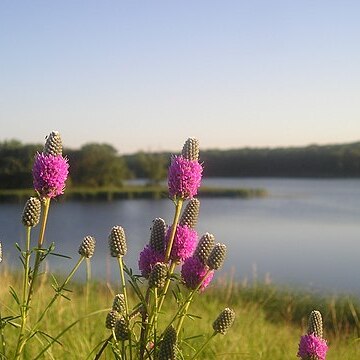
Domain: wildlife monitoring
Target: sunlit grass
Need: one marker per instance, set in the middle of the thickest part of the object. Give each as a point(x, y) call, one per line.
point(268, 322)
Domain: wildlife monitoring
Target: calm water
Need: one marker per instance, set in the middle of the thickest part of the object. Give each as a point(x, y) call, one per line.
point(306, 233)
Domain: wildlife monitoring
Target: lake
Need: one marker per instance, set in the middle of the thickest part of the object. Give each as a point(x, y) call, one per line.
point(306, 233)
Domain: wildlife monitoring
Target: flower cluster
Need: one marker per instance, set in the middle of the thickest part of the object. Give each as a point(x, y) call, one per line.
point(312, 345)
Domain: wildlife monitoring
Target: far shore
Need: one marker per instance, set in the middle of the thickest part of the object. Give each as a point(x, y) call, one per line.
point(131, 192)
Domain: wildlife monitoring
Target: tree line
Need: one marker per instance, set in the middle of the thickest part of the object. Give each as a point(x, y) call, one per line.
point(98, 165)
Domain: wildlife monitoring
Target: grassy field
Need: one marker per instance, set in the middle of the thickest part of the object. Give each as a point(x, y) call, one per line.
point(269, 321)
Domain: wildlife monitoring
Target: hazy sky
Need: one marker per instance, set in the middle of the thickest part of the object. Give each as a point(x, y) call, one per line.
point(148, 74)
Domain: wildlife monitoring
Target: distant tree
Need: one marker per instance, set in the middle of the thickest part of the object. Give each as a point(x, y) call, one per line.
point(97, 165)
point(16, 162)
point(154, 166)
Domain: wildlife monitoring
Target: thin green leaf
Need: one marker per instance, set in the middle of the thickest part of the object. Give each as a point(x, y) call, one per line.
point(14, 295)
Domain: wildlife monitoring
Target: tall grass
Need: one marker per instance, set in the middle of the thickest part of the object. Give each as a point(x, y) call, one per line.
point(268, 326)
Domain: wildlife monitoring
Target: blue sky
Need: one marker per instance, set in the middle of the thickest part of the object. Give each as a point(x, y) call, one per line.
point(145, 75)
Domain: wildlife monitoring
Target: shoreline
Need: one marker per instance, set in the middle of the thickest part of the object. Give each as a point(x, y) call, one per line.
point(131, 192)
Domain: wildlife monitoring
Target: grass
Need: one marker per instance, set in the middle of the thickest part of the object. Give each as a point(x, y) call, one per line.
point(269, 320)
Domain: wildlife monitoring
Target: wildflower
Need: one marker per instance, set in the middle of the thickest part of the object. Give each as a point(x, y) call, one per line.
point(184, 177)
point(87, 247)
point(190, 149)
point(193, 272)
point(31, 212)
point(49, 174)
point(121, 329)
point(184, 242)
point(204, 247)
point(168, 345)
point(158, 275)
point(53, 144)
point(148, 258)
point(191, 213)
point(315, 324)
point(157, 236)
point(119, 303)
point(217, 256)
point(117, 242)
point(111, 318)
point(312, 347)
point(224, 321)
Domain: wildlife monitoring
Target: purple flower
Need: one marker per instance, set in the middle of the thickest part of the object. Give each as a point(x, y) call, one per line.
point(312, 346)
point(184, 177)
point(184, 242)
point(148, 258)
point(49, 174)
point(193, 272)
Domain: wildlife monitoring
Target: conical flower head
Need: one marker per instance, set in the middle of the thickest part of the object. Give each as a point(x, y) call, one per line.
point(157, 237)
point(117, 242)
point(217, 256)
point(312, 347)
point(224, 321)
point(204, 247)
point(121, 329)
point(315, 325)
point(53, 144)
point(111, 318)
point(49, 174)
point(32, 211)
point(119, 303)
point(158, 275)
point(184, 177)
point(87, 247)
point(191, 213)
point(190, 150)
point(168, 345)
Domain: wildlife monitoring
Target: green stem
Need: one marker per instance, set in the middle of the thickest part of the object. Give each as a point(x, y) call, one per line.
point(178, 207)
point(186, 302)
point(88, 279)
point(24, 308)
point(3, 343)
point(123, 284)
point(60, 289)
point(38, 251)
point(203, 346)
point(58, 293)
point(167, 285)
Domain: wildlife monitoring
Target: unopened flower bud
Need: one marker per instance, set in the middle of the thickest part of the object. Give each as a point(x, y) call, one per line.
point(315, 325)
point(191, 213)
point(117, 242)
point(158, 275)
point(217, 256)
point(53, 144)
point(168, 345)
point(224, 321)
point(111, 319)
point(121, 329)
point(87, 247)
point(119, 303)
point(32, 211)
point(190, 149)
point(204, 247)
point(157, 237)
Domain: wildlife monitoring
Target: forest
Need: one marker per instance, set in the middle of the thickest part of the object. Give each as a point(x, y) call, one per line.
point(99, 165)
